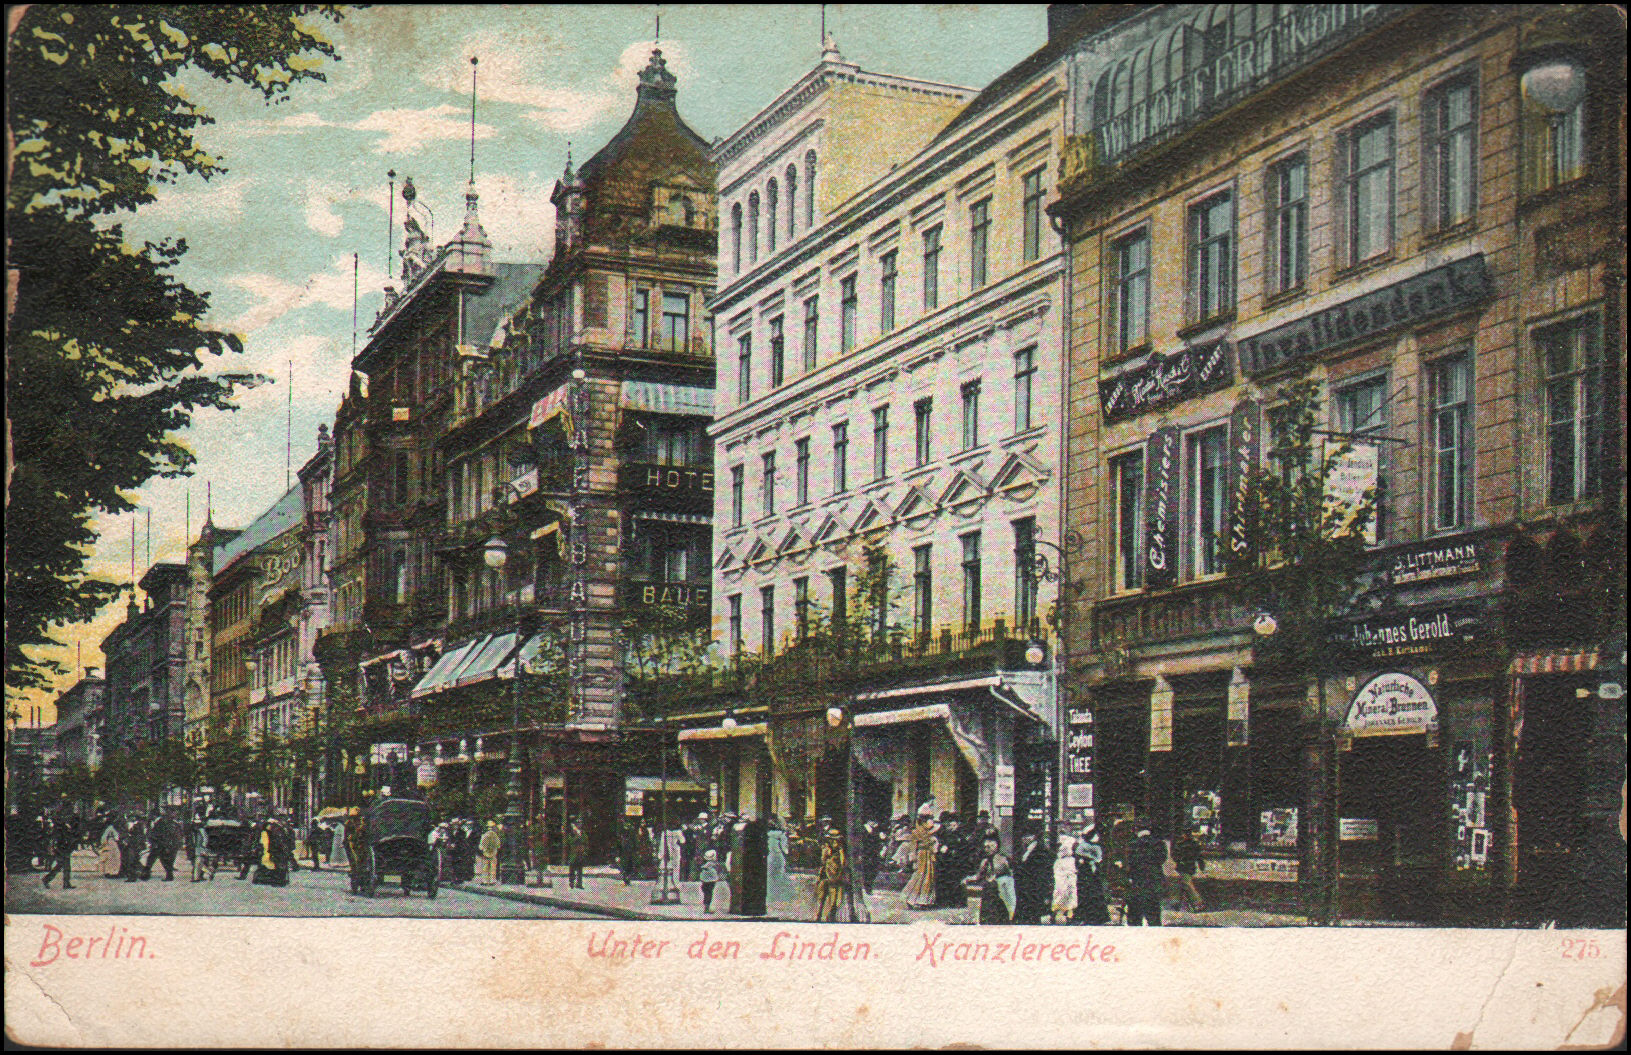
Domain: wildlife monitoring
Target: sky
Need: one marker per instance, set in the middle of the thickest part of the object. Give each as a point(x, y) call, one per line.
point(271, 239)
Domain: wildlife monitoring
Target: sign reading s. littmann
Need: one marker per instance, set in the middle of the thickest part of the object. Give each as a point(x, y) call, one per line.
point(1391, 703)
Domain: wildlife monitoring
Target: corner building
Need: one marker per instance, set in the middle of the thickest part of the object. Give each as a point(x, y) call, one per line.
point(886, 438)
point(1388, 200)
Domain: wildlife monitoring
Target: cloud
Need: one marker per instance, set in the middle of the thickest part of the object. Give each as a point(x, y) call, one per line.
point(217, 201)
point(517, 215)
point(276, 297)
point(305, 121)
point(409, 130)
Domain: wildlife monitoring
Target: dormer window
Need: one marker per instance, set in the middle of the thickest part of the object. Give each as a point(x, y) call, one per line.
point(681, 212)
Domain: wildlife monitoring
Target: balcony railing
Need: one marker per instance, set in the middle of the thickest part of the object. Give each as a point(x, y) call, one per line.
point(1188, 611)
point(695, 344)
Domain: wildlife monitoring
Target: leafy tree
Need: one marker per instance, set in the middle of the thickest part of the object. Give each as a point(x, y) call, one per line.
point(105, 347)
point(1297, 561)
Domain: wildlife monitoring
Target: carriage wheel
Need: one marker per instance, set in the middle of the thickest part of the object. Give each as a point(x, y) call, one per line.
point(370, 879)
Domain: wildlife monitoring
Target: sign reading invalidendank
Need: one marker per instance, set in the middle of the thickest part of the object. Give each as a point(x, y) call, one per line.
point(1391, 703)
point(1164, 379)
point(1452, 287)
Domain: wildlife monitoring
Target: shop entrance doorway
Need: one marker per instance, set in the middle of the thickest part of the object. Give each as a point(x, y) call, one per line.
point(1392, 814)
point(1121, 744)
point(1548, 782)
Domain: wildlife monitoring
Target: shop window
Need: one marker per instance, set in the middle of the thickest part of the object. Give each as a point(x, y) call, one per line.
point(1575, 435)
point(1198, 772)
point(1276, 778)
point(1450, 138)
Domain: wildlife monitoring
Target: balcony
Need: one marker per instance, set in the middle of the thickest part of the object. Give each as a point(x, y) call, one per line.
point(1194, 610)
point(693, 345)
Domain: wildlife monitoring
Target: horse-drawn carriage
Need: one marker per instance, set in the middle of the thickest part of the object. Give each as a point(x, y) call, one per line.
point(394, 841)
point(228, 843)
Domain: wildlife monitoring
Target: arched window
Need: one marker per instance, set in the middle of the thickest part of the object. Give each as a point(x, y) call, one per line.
point(399, 575)
point(679, 210)
point(809, 188)
point(736, 237)
point(792, 199)
point(772, 199)
point(753, 227)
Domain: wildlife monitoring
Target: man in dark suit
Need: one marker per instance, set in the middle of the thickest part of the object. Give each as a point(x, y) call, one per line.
point(1146, 860)
point(755, 848)
point(1033, 877)
point(64, 837)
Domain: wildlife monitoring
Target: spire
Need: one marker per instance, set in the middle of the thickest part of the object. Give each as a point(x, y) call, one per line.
point(657, 85)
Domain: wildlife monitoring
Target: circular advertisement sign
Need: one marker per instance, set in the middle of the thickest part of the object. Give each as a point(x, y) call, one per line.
point(1391, 703)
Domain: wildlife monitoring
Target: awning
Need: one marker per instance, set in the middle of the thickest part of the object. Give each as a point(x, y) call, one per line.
point(673, 518)
point(528, 655)
point(495, 651)
point(547, 530)
point(719, 732)
point(436, 676)
point(656, 784)
point(907, 714)
point(1555, 662)
point(662, 398)
point(547, 407)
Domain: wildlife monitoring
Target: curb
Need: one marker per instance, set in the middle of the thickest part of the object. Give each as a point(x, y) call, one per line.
point(611, 911)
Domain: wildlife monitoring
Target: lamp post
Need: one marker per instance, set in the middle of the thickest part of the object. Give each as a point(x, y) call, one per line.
point(665, 892)
point(1042, 570)
point(513, 865)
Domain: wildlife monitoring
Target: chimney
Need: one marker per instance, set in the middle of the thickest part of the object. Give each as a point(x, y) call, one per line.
point(1062, 16)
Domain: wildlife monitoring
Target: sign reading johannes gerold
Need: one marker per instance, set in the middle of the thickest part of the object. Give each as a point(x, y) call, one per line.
point(1441, 291)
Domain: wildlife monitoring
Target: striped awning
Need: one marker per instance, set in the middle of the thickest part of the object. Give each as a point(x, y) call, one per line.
point(906, 714)
point(1555, 662)
point(547, 407)
point(662, 398)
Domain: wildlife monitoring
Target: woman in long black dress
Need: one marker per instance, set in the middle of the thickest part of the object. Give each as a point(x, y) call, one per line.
point(1091, 907)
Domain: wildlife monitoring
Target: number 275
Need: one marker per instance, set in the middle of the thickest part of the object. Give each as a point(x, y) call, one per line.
point(1581, 949)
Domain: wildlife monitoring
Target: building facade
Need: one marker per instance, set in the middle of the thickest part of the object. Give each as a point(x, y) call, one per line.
point(146, 663)
point(1387, 202)
point(247, 567)
point(79, 721)
point(580, 483)
point(887, 439)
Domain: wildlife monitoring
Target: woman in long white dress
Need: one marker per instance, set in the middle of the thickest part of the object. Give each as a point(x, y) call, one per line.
point(778, 887)
point(108, 855)
point(337, 857)
point(669, 852)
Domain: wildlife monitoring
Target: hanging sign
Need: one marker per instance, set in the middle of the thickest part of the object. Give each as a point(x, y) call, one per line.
point(1161, 509)
point(1164, 379)
point(1391, 703)
point(1439, 559)
point(1352, 477)
point(1245, 440)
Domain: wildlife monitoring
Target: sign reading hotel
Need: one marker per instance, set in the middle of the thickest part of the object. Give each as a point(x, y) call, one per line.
point(1164, 379)
point(1391, 703)
point(1440, 559)
point(1453, 287)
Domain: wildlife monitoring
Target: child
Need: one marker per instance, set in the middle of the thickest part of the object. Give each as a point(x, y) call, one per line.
point(709, 876)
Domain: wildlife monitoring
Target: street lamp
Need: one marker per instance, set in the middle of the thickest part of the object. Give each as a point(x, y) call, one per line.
point(513, 868)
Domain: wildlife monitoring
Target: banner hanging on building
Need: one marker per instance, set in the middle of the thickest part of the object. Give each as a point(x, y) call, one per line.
point(1161, 508)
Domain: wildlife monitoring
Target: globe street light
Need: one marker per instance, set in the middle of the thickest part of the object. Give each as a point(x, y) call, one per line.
point(514, 867)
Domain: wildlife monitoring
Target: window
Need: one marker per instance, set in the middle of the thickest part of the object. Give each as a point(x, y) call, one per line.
point(778, 360)
point(767, 465)
point(403, 475)
point(1032, 197)
point(1127, 493)
point(971, 580)
point(801, 605)
point(744, 368)
point(1554, 146)
point(676, 321)
point(886, 294)
point(846, 315)
point(1212, 256)
point(1361, 418)
point(1207, 460)
point(838, 584)
point(922, 411)
point(1130, 303)
point(1024, 379)
point(1575, 434)
point(971, 415)
point(1450, 130)
point(736, 623)
point(736, 237)
point(801, 459)
point(812, 324)
point(1288, 224)
point(738, 488)
point(979, 237)
point(772, 194)
point(922, 591)
point(792, 198)
point(1024, 573)
point(640, 322)
point(1368, 189)
point(753, 227)
point(880, 443)
point(767, 619)
point(840, 458)
point(1450, 382)
point(931, 269)
point(809, 188)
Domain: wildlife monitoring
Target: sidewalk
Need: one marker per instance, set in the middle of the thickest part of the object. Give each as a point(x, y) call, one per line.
point(603, 893)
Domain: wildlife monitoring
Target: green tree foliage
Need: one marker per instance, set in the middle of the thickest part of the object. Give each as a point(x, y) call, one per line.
point(105, 347)
point(1303, 553)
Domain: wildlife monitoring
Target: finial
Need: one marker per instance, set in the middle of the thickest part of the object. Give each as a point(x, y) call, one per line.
point(473, 62)
point(658, 39)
